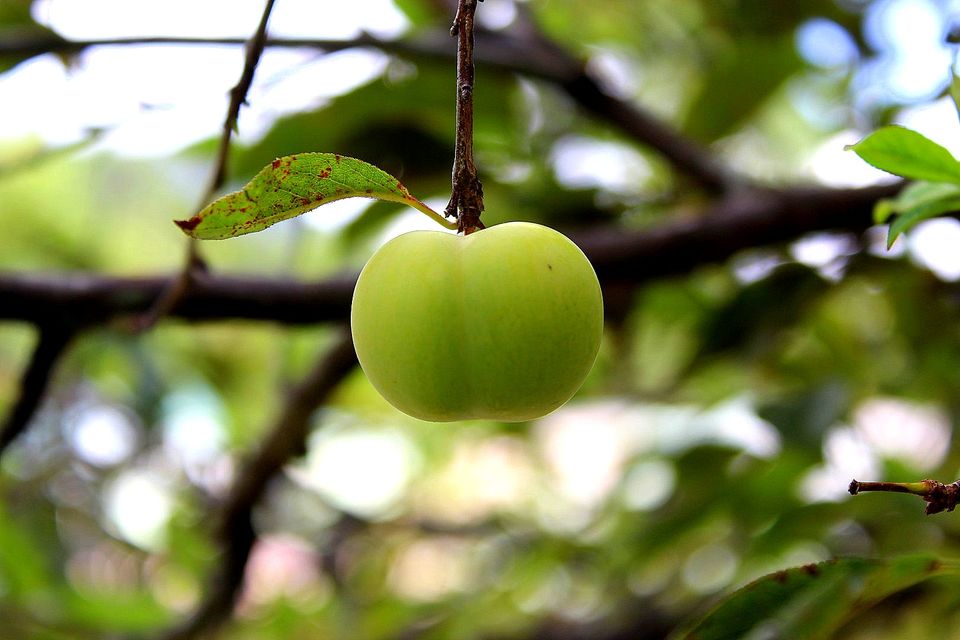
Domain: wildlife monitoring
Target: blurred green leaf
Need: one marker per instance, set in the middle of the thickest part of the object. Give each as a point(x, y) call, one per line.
point(912, 217)
point(813, 601)
point(725, 101)
point(908, 154)
point(293, 185)
point(912, 196)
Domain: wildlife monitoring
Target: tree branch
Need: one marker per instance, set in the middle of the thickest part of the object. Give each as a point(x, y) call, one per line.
point(52, 341)
point(235, 532)
point(741, 221)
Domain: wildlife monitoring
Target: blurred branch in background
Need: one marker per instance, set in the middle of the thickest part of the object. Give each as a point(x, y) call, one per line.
point(524, 50)
point(235, 532)
point(52, 341)
point(741, 221)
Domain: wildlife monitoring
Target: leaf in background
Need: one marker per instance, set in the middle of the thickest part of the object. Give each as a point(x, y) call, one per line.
point(916, 202)
point(293, 185)
point(815, 600)
point(909, 219)
point(911, 196)
point(909, 154)
point(724, 102)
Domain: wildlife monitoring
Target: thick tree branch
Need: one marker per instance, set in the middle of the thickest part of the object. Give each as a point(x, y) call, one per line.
point(52, 341)
point(743, 220)
point(86, 300)
point(235, 533)
point(619, 255)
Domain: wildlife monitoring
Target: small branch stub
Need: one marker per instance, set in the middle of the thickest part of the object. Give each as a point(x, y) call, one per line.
point(938, 496)
point(466, 200)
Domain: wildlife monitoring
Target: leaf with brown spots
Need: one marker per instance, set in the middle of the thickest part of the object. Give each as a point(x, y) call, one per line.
point(813, 601)
point(295, 184)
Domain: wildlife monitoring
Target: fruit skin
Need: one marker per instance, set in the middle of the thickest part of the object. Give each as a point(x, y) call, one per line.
point(502, 324)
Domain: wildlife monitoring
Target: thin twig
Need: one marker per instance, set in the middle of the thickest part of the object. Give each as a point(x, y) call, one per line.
point(466, 200)
point(238, 96)
point(52, 341)
point(235, 533)
point(938, 496)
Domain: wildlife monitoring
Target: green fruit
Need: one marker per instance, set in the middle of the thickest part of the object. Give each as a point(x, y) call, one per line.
point(502, 324)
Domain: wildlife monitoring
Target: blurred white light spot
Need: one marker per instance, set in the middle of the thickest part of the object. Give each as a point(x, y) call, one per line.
point(846, 457)
point(820, 249)
point(336, 215)
point(734, 423)
point(482, 478)
point(753, 266)
point(709, 568)
point(193, 426)
point(910, 36)
point(916, 434)
point(138, 504)
point(584, 451)
point(825, 43)
point(365, 472)
point(933, 244)
point(648, 484)
point(100, 434)
point(430, 569)
point(582, 162)
point(497, 14)
point(616, 72)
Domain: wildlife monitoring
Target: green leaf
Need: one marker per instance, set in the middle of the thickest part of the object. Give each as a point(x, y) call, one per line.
point(295, 184)
point(909, 154)
point(815, 600)
point(912, 196)
point(909, 219)
point(915, 203)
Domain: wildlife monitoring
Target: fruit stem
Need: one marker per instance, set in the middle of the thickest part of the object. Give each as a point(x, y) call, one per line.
point(466, 200)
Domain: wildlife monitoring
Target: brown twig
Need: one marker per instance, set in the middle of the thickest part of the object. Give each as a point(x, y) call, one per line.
point(52, 341)
point(238, 96)
point(466, 200)
point(235, 532)
point(938, 496)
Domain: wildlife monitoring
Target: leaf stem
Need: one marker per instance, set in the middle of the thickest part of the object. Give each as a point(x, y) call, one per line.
point(430, 213)
point(466, 200)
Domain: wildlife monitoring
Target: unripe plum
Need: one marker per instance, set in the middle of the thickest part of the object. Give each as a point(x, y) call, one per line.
point(502, 324)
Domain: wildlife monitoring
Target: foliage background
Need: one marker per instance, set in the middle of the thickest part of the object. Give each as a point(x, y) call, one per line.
point(733, 400)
